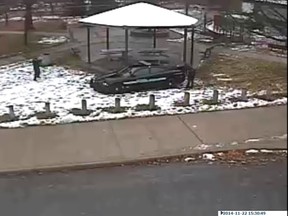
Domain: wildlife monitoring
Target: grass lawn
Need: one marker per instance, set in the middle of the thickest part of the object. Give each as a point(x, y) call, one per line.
point(47, 26)
point(14, 43)
point(242, 72)
point(69, 60)
point(51, 26)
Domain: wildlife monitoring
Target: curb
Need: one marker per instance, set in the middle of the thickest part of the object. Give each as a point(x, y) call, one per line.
point(140, 161)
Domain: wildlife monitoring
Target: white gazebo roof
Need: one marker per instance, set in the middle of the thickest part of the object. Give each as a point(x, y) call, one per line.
point(140, 15)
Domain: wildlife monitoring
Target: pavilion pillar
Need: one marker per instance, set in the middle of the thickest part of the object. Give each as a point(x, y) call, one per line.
point(107, 39)
point(185, 45)
point(126, 44)
point(205, 21)
point(88, 45)
point(192, 46)
point(185, 34)
point(154, 38)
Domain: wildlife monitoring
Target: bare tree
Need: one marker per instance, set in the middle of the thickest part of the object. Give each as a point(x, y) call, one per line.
point(269, 21)
point(4, 9)
point(51, 6)
point(28, 13)
point(274, 20)
point(28, 22)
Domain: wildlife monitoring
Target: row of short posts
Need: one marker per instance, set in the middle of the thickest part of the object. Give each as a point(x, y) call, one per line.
point(13, 116)
point(152, 105)
point(215, 98)
point(84, 106)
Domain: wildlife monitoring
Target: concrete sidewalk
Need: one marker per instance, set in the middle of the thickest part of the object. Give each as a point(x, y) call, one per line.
point(134, 139)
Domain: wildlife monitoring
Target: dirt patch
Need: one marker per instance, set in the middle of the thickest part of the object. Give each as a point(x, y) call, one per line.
point(242, 72)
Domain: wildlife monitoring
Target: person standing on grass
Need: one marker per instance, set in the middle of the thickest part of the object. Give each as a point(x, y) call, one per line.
point(36, 68)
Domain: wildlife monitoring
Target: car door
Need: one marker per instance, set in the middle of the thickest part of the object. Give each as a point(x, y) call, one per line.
point(138, 79)
point(152, 77)
point(156, 78)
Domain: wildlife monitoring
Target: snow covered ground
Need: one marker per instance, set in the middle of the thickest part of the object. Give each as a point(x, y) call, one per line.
point(65, 89)
point(52, 40)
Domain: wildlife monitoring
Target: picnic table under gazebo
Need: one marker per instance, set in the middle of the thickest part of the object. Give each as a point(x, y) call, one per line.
point(140, 16)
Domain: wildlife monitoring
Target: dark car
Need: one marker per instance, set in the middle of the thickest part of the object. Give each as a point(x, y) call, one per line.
point(140, 77)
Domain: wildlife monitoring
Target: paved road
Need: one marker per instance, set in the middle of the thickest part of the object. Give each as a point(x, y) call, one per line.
point(174, 189)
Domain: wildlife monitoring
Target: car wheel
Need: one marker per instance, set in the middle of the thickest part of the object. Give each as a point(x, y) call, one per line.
point(171, 83)
point(118, 89)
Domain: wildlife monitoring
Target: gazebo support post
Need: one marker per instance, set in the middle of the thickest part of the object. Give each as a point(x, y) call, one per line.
point(205, 20)
point(107, 38)
point(192, 46)
point(126, 44)
point(154, 38)
point(185, 34)
point(185, 45)
point(88, 45)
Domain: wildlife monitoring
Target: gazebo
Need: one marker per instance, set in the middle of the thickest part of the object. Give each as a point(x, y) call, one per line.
point(141, 15)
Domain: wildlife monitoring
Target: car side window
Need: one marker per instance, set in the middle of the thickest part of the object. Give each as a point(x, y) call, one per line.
point(147, 70)
point(156, 69)
point(141, 71)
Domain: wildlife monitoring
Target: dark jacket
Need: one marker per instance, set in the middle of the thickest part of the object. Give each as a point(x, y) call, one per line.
point(36, 68)
point(36, 65)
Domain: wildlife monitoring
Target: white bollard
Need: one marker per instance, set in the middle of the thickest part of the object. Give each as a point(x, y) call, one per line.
point(244, 94)
point(117, 104)
point(11, 112)
point(151, 102)
point(186, 99)
point(47, 108)
point(215, 96)
point(84, 105)
point(269, 92)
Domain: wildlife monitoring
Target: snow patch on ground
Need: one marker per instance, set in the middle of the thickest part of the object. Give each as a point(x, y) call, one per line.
point(234, 143)
point(252, 151)
point(53, 40)
point(188, 159)
point(65, 88)
point(202, 147)
point(252, 140)
point(284, 136)
point(266, 151)
point(208, 156)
